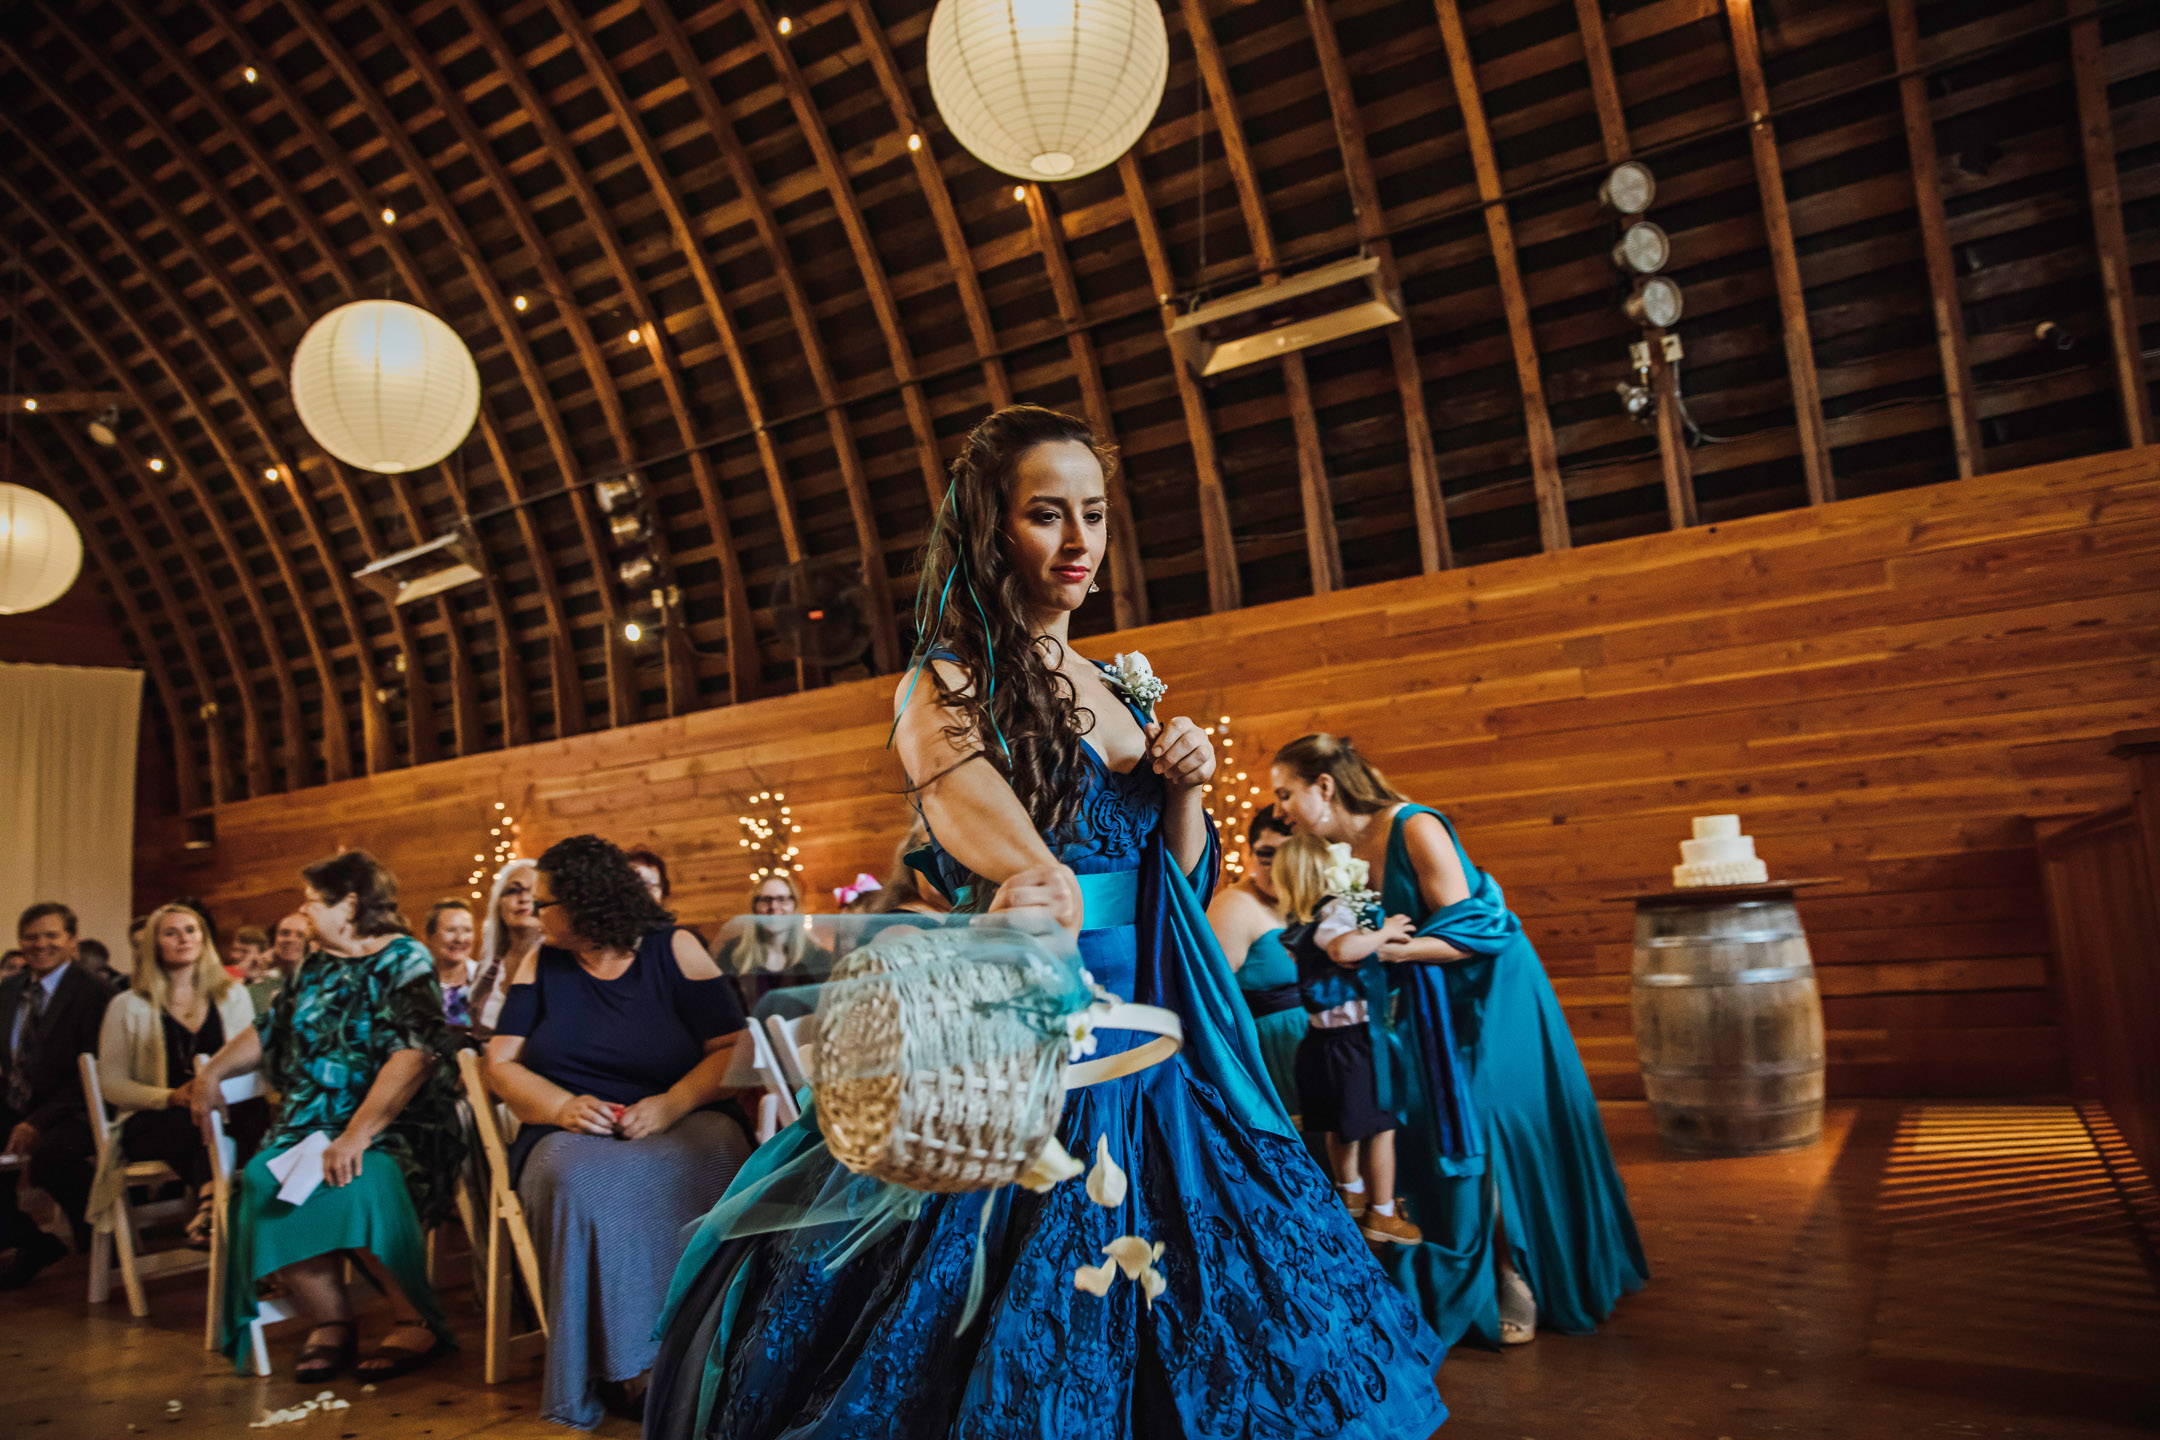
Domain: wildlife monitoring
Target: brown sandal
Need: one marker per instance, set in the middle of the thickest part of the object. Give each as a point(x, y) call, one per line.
point(319, 1363)
point(390, 1361)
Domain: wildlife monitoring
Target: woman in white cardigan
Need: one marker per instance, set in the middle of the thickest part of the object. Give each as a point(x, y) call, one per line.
point(179, 1004)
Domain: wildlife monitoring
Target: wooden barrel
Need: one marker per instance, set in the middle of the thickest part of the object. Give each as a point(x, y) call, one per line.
point(1728, 1023)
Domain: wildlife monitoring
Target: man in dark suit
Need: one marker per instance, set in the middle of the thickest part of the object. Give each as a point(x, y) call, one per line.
point(50, 1013)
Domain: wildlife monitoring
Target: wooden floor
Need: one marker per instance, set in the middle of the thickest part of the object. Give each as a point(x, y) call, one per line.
point(1932, 1269)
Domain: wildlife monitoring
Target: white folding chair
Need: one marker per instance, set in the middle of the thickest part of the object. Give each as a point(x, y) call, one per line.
point(794, 1041)
point(505, 1222)
point(119, 1233)
point(269, 1309)
point(776, 1107)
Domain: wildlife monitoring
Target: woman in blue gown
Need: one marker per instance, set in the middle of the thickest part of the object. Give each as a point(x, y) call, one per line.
point(1504, 1157)
point(1043, 791)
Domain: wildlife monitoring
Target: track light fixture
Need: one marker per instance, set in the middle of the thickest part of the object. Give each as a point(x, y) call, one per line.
point(1643, 249)
point(1655, 302)
point(629, 527)
point(639, 572)
point(620, 493)
point(105, 428)
point(1629, 189)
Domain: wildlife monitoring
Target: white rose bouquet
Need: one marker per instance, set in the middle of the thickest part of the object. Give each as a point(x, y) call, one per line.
point(1348, 879)
point(1134, 679)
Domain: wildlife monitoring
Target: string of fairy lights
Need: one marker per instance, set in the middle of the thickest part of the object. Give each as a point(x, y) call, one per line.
point(769, 832)
point(1231, 797)
point(504, 834)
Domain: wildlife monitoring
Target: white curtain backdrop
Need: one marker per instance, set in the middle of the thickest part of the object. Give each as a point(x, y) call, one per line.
point(67, 796)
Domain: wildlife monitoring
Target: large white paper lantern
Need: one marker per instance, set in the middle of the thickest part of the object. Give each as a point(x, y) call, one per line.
point(385, 386)
point(40, 551)
point(1048, 89)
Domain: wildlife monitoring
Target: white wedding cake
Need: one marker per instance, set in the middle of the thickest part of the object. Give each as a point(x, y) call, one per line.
point(1719, 855)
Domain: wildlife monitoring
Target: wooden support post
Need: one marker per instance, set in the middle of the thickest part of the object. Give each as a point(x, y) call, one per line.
point(1784, 259)
point(1537, 419)
point(1935, 240)
point(2096, 130)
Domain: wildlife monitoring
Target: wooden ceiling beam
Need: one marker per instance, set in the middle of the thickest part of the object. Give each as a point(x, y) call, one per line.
point(564, 687)
point(1428, 504)
point(742, 644)
point(868, 263)
point(623, 705)
point(1784, 260)
point(1128, 579)
point(1499, 229)
point(1218, 540)
point(1674, 465)
point(337, 734)
point(1935, 238)
point(871, 34)
point(680, 668)
point(1323, 549)
point(242, 474)
point(2103, 187)
point(877, 577)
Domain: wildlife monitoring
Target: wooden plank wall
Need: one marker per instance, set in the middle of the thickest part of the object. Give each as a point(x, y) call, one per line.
point(1887, 689)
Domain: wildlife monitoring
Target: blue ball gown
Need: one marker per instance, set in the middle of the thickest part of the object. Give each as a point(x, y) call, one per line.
point(1502, 1125)
point(1276, 1320)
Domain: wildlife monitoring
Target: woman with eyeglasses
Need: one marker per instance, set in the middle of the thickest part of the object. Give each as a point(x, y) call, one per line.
point(509, 937)
point(773, 949)
point(1248, 922)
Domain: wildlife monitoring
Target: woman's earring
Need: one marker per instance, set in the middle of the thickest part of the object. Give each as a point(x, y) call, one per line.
point(1093, 587)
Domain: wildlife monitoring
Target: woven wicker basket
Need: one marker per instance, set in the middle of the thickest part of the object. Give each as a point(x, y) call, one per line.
point(926, 1075)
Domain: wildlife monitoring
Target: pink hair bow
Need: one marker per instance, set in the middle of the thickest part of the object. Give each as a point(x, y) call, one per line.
point(860, 886)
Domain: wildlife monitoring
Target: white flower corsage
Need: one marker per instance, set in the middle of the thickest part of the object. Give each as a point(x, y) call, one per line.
point(1134, 679)
point(1349, 879)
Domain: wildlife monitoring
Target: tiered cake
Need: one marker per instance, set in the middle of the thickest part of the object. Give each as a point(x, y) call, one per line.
point(1719, 855)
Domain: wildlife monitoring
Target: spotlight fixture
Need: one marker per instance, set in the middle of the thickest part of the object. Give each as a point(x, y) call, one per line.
point(787, 26)
point(1635, 399)
point(271, 474)
point(633, 632)
point(635, 337)
point(157, 466)
point(629, 527)
point(1655, 302)
point(620, 493)
point(29, 404)
point(517, 303)
point(1643, 249)
point(1629, 189)
point(639, 572)
point(1019, 192)
point(914, 142)
point(105, 428)
point(389, 216)
point(249, 74)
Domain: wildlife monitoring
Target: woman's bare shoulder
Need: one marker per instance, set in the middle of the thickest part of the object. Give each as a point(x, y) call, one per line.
point(691, 956)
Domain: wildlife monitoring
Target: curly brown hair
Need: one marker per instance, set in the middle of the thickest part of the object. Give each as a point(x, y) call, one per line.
point(1017, 711)
point(606, 901)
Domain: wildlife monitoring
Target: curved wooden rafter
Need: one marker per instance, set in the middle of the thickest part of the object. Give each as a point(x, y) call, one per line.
point(337, 735)
point(981, 329)
point(1323, 552)
point(567, 692)
point(885, 643)
point(621, 684)
point(152, 562)
point(1435, 552)
point(464, 702)
point(1218, 540)
point(111, 577)
point(1128, 581)
point(297, 770)
point(378, 748)
point(742, 646)
point(868, 263)
point(681, 671)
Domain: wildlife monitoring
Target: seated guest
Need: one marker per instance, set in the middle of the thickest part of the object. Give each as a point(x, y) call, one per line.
point(356, 1045)
point(772, 949)
point(509, 936)
point(96, 962)
point(50, 1011)
point(612, 1049)
point(180, 1004)
point(449, 935)
point(10, 963)
point(288, 947)
point(250, 954)
point(652, 870)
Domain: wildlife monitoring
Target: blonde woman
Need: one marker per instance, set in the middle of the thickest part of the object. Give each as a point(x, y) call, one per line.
point(509, 936)
point(772, 949)
point(181, 1003)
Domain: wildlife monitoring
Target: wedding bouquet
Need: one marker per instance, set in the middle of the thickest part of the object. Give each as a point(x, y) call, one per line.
point(1348, 878)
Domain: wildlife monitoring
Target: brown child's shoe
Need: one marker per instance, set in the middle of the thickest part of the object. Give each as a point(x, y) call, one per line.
point(1353, 1201)
point(1393, 1229)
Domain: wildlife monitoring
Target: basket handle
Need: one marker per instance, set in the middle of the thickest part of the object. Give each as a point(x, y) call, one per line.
point(1164, 1025)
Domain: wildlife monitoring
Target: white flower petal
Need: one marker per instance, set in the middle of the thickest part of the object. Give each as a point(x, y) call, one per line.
point(1052, 1166)
point(1152, 1283)
point(1106, 1182)
point(1095, 1279)
point(1131, 1254)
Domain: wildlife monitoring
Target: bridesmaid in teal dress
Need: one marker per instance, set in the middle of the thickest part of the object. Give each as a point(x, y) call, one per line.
point(1248, 923)
point(1504, 1159)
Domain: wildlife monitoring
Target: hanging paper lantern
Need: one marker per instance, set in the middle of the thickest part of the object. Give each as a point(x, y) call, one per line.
point(40, 550)
point(1048, 89)
point(385, 386)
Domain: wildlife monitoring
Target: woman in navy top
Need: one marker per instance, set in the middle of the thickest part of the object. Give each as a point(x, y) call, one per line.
point(611, 1050)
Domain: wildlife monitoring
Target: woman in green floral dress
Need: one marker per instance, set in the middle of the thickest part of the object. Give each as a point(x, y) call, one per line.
point(358, 1047)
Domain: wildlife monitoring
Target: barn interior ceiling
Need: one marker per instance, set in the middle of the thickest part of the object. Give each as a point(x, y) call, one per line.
point(729, 247)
